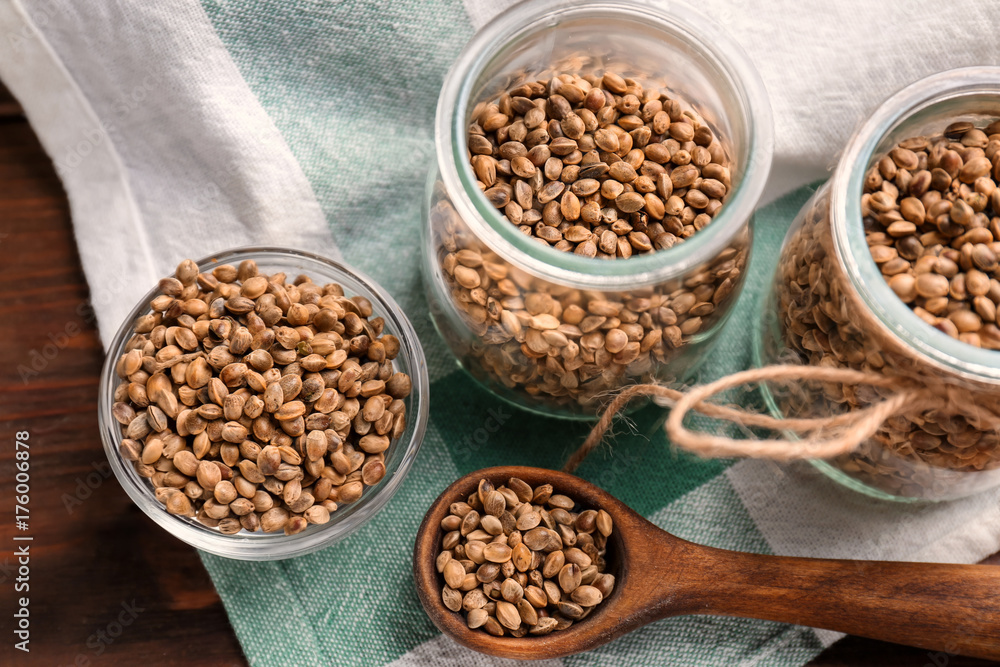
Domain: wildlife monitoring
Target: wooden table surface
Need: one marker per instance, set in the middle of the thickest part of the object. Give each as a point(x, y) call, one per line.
point(107, 586)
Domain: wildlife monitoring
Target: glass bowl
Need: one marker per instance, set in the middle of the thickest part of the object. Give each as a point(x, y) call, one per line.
point(259, 546)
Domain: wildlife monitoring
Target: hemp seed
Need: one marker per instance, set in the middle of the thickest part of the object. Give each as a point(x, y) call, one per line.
point(523, 580)
point(932, 221)
point(590, 151)
point(252, 402)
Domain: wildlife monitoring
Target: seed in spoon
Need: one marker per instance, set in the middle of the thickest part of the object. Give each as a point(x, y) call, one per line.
point(569, 577)
point(454, 573)
point(604, 523)
point(491, 524)
point(523, 561)
point(507, 615)
point(521, 556)
point(451, 598)
point(538, 539)
point(544, 626)
point(587, 596)
point(570, 610)
point(511, 591)
point(497, 553)
point(477, 618)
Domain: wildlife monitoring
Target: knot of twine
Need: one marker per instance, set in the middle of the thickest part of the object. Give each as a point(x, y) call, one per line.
point(820, 437)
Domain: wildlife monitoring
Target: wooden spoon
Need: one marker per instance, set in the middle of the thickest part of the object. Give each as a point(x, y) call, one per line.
point(950, 608)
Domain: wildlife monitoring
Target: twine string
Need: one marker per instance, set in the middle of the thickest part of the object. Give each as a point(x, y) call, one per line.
point(818, 437)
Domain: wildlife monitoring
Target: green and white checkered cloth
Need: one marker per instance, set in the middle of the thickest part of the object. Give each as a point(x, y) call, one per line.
point(181, 125)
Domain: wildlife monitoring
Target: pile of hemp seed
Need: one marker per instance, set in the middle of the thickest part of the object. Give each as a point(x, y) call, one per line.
point(520, 560)
point(931, 211)
point(252, 402)
point(598, 166)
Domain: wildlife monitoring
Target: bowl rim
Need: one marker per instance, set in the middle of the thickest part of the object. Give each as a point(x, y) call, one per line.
point(275, 546)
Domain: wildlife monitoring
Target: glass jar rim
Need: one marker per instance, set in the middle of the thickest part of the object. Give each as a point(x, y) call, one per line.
point(896, 317)
point(712, 43)
point(273, 546)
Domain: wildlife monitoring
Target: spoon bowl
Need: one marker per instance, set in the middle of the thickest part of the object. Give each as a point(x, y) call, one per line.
point(938, 607)
point(578, 637)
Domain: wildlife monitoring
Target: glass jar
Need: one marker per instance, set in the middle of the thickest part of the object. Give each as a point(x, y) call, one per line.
point(831, 306)
point(259, 546)
point(671, 302)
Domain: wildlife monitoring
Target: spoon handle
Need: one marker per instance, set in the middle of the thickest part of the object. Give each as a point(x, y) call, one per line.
point(950, 608)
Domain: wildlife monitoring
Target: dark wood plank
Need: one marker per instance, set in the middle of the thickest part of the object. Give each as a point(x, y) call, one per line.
point(92, 551)
point(9, 108)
